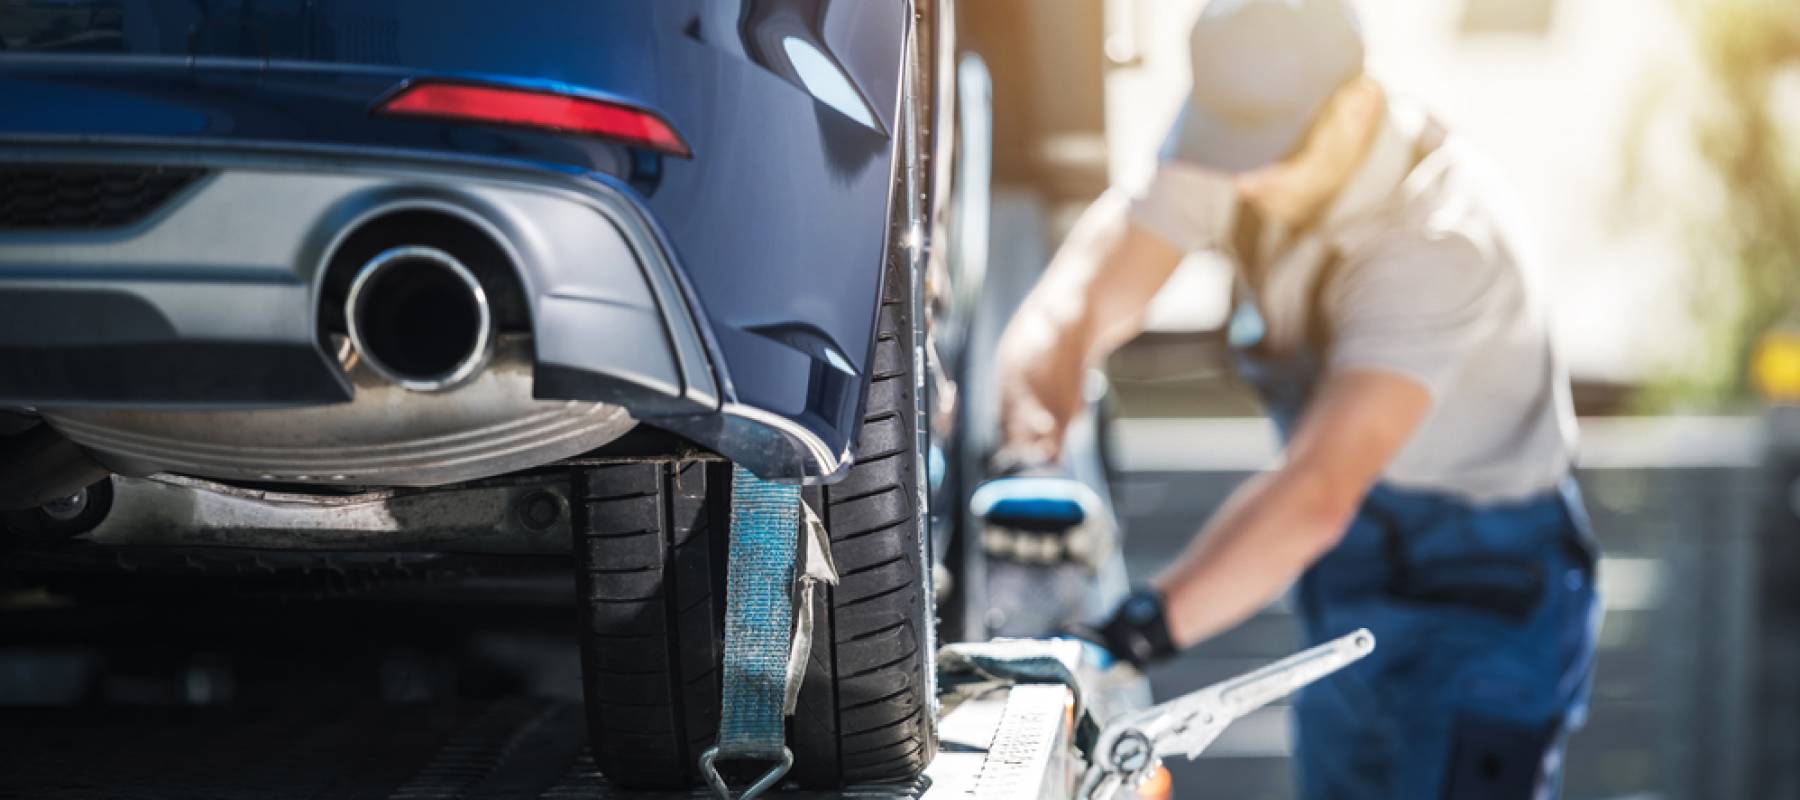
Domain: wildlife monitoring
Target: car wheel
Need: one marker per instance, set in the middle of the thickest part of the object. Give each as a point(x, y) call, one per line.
point(651, 546)
point(865, 709)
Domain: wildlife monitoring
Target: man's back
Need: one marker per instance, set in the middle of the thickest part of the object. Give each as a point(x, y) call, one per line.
point(1435, 286)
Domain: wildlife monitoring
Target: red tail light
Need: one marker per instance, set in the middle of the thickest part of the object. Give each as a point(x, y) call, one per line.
point(537, 109)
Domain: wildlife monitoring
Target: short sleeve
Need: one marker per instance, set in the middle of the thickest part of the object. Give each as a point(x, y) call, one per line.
point(1417, 309)
point(1189, 207)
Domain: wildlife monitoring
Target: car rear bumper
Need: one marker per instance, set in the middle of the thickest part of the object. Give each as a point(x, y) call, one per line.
point(211, 301)
point(223, 280)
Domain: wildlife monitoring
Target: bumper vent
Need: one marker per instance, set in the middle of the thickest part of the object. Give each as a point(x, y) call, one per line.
point(49, 197)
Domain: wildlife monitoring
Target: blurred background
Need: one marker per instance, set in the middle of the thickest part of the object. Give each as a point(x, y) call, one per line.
point(1654, 147)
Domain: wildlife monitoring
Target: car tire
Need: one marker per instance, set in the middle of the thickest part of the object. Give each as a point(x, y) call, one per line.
point(651, 545)
point(865, 708)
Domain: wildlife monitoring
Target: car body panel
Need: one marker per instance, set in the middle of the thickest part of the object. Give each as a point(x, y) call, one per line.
point(775, 228)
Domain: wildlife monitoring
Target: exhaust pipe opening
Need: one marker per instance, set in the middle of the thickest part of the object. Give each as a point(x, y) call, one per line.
point(420, 318)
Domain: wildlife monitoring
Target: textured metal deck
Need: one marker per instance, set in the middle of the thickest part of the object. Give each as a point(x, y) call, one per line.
point(515, 748)
point(359, 699)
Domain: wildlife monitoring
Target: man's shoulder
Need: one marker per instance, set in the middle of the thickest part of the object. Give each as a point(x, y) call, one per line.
point(1433, 250)
point(1442, 249)
point(1183, 205)
point(1452, 213)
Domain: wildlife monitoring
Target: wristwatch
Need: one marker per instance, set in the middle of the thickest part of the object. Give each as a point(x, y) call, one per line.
point(1138, 630)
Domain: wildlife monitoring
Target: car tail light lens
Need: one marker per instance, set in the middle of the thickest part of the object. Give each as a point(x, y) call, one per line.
point(536, 109)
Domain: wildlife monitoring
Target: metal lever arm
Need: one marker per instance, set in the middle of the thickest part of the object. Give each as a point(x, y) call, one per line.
point(1129, 747)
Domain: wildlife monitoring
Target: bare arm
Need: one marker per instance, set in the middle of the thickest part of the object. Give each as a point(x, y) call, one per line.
point(1091, 300)
point(1275, 525)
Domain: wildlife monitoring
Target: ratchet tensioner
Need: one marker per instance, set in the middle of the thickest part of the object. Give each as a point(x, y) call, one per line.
point(1122, 752)
point(1130, 747)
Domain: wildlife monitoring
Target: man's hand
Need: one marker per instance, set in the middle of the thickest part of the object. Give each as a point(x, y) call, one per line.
point(1091, 300)
point(1136, 633)
point(1277, 524)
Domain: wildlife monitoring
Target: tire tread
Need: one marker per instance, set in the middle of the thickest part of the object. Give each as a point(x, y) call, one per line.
point(863, 709)
point(652, 637)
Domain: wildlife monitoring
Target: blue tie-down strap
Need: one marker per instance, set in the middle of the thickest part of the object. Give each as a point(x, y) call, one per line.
point(759, 629)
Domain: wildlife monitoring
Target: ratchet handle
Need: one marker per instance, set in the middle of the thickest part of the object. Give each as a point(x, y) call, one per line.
point(1128, 748)
point(1246, 693)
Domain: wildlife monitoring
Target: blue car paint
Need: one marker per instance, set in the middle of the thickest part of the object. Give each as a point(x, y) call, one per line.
point(778, 223)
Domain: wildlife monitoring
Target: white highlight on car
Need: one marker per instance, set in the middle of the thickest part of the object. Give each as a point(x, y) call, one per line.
point(825, 81)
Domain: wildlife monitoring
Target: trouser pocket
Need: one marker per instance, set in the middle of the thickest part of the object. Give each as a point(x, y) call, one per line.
point(1496, 759)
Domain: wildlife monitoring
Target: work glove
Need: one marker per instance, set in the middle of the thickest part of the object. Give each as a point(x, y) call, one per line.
point(1043, 519)
point(1137, 631)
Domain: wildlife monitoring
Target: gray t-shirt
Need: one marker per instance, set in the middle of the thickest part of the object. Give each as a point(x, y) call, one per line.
point(1430, 286)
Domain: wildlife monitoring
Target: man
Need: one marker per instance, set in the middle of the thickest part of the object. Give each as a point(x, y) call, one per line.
point(1403, 352)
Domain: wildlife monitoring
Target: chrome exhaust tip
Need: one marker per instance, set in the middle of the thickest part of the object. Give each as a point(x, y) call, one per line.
point(419, 318)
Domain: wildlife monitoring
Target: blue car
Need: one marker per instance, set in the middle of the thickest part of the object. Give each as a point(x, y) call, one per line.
point(380, 284)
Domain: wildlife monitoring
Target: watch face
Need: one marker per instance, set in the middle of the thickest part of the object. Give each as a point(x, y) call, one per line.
point(1141, 608)
point(1141, 649)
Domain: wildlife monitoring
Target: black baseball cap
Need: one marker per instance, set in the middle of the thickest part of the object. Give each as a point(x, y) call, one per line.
point(1263, 69)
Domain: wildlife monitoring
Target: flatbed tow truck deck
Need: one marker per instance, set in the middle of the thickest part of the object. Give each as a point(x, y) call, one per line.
point(1016, 718)
point(1011, 743)
point(426, 699)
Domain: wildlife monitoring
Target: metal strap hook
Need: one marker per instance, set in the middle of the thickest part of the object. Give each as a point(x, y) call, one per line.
point(710, 771)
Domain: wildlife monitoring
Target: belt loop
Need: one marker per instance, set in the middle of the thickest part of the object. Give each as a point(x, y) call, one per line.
point(1393, 542)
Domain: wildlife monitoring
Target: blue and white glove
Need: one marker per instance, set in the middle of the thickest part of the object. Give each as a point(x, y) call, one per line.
point(1040, 519)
